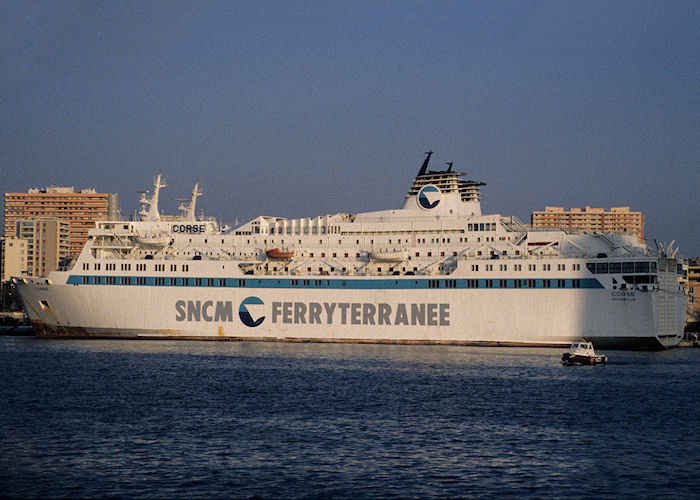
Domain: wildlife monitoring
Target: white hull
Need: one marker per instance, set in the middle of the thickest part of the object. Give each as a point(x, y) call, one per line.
point(543, 317)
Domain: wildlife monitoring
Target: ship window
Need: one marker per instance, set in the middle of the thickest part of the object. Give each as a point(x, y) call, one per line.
point(590, 266)
point(652, 267)
point(628, 267)
point(614, 267)
point(641, 267)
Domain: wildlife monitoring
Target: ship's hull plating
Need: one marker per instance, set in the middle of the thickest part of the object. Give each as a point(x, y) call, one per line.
point(507, 317)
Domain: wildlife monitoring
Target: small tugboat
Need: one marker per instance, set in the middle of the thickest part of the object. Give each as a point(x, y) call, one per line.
point(581, 353)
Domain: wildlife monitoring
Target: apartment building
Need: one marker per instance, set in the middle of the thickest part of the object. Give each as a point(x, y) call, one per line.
point(48, 243)
point(80, 208)
point(13, 258)
point(693, 312)
point(591, 220)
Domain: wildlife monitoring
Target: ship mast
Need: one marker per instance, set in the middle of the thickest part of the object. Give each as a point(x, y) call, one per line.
point(150, 205)
point(188, 211)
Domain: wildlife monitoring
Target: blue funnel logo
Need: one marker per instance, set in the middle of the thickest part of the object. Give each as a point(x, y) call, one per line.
point(245, 316)
point(429, 197)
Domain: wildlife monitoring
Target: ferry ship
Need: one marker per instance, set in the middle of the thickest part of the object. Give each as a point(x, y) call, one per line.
point(435, 271)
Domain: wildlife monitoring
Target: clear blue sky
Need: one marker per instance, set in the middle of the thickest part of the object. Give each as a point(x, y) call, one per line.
point(306, 108)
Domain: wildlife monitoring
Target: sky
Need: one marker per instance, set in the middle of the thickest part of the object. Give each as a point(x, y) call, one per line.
point(304, 108)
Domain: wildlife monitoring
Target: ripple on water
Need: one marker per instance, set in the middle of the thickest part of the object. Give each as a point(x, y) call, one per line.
point(183, 419)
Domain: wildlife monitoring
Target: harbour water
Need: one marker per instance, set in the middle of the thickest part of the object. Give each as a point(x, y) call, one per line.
point(154, 419)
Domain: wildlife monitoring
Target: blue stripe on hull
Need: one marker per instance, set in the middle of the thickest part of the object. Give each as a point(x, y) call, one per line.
point(335, 283)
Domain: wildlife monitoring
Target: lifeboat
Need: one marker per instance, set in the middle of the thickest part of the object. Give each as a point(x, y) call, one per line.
point(153, 240)
point(278, 254)
point(388, 256)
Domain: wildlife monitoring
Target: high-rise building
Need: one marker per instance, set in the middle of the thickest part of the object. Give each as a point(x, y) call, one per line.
point(48, 243)
point(80, 208)
point(13, 258)
point(591, 220)
point(693, 313)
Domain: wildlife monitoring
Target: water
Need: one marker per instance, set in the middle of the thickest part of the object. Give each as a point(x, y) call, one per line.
point(103, 418)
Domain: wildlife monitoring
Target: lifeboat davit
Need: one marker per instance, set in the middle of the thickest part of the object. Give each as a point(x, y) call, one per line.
point(278, 254)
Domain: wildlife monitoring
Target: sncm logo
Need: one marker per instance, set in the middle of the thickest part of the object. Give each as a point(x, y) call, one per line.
point(429, 197)
point(245, 316)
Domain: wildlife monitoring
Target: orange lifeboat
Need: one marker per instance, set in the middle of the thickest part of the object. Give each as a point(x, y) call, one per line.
point(278, 254)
